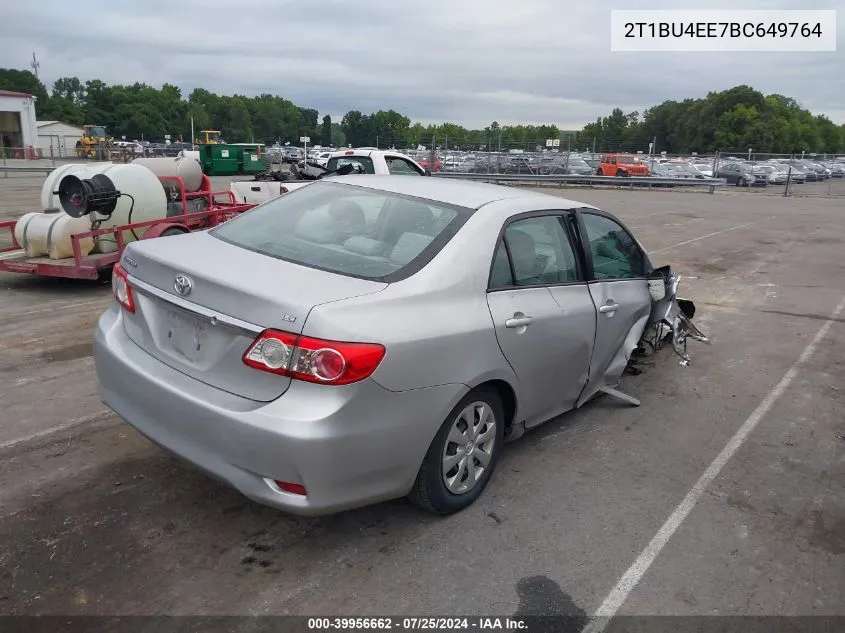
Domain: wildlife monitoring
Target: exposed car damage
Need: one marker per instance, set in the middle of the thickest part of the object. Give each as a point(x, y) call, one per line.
point(671, 317)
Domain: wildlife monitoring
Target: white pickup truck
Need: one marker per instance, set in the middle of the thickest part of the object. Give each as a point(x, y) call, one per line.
point(367, 162)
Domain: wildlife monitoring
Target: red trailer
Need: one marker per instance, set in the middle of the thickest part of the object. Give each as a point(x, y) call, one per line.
point(221, 206)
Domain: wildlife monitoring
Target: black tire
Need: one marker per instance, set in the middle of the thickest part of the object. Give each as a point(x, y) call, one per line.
point(429, 491)
point(621, 173)
point(104, 275)
point(740, 182)
point(173, 230)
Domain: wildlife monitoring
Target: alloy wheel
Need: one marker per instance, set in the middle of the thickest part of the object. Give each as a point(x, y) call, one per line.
point(469, 447)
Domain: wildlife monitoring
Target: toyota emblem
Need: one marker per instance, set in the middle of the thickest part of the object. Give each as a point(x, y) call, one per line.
point(183, 285)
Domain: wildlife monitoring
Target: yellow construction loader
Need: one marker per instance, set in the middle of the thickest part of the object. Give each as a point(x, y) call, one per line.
point(209, 137)
point(96, 144)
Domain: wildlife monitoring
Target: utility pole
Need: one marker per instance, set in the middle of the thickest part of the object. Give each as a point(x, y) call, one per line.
point(499, 154)
point(35, 65)
point(432, 155)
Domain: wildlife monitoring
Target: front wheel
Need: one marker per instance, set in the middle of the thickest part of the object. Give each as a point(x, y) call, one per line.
point(463, 454)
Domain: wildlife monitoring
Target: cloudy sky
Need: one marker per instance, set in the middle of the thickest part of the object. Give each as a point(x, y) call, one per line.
point(464, 61)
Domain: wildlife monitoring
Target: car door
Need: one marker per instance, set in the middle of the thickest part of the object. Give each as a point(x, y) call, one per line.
point(543, 314)
point(617, 269)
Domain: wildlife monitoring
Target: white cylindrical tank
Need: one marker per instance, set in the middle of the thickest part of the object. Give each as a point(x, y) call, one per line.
point(48, 233)
point(82, 170)
point(150, 202)
point(190, 153)
point(186, 168)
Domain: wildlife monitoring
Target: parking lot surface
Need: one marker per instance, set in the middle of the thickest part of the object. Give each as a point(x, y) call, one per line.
point(605, 506)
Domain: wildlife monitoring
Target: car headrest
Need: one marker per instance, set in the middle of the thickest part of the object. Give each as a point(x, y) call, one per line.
point(318, 227)
point(349, 214)
point(406, 217)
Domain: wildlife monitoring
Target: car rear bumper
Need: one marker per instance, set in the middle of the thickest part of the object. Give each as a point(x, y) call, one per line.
point(348, 446)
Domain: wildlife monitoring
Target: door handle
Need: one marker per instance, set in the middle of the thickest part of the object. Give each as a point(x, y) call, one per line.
point(519, 322)
point(610, 307)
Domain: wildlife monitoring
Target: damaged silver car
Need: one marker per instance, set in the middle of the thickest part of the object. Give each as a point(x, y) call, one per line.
point(368, 337)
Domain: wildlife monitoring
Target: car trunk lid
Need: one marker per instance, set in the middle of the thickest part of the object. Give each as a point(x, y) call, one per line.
point(228, 295)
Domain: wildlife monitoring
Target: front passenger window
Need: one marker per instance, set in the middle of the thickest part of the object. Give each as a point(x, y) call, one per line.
point(614, 252)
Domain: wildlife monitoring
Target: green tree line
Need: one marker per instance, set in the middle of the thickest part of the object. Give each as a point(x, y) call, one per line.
point(732, 120)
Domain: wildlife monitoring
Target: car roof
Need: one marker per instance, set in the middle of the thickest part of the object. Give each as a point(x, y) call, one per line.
point(463, 193)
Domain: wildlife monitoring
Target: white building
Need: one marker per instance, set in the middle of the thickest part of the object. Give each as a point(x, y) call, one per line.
point(58, 136)
point(17, 122)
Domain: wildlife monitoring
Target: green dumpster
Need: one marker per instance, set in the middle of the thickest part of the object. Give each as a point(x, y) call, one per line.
point(220, 160)
point(253, 158)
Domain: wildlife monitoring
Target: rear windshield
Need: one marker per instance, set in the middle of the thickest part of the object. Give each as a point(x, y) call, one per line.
point(365, 162)
point(348, 230)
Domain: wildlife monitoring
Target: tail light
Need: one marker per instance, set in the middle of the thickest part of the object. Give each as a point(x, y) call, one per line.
point(297, 489)
point(311, 359)
point(121, 289)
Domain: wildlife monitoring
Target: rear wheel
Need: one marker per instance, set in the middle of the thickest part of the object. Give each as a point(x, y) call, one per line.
point(740, 182)
point(463, 454)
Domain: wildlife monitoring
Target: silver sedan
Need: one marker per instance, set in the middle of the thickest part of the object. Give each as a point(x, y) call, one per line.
point(369, 337)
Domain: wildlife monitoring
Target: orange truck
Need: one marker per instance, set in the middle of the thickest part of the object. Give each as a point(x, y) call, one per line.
point(621, 165)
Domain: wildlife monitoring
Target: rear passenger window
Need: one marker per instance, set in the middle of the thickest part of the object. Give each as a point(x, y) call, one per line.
point(364, 163)
point(534, 252)
point(614, 252)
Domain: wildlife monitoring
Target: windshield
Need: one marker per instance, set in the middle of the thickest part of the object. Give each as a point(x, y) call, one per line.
point(578, 162)
point(347, 230)
point(768, 169)
point(364, 162)
point(98, 132)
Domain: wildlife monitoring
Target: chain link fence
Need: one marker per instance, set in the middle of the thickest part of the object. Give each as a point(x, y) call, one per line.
point(804, 174)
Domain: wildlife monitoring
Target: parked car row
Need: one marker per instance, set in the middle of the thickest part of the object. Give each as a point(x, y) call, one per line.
point(745, 173)
point(735, 170)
